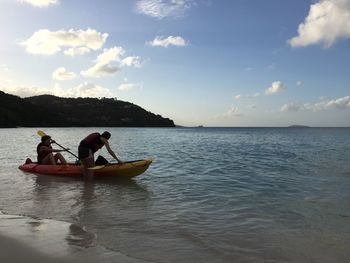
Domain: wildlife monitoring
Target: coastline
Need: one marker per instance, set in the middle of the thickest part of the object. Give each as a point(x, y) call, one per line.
point(13, 250)
point(26, 239)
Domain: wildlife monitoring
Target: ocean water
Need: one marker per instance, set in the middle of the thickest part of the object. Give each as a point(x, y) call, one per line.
point(211, 195)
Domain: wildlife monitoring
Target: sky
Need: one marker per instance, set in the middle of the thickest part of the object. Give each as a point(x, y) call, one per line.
point(218, 63)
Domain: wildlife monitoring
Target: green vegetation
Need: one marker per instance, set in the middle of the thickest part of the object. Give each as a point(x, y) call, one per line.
point(52, 111)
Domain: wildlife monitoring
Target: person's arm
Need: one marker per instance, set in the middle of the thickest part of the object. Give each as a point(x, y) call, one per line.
point(105, 141)
point(50, 150)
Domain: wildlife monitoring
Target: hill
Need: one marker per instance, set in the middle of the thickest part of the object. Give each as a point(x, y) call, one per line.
point(52, 111)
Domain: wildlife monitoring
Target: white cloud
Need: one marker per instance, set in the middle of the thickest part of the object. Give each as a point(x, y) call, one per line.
point(63, 74)
point(103, 66)
point(324, 104)
point(23, 91)
point(75, 51)
point(111, 54)
point(161, 41)
point(327, 21)
point(292, 107)
point(130, 86)
point(110, 62)
point(247, 96)
point(85, 89)
point(131, 61)
point(276, 86)
point(299, 83)
point(231, 112)
point(39, 3)
point(164, 8)
point(340, 103)
point(100, 70)
point(46, 42)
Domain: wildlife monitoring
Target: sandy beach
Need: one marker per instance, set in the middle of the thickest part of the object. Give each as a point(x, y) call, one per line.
point(25, 239)
point(13, 250)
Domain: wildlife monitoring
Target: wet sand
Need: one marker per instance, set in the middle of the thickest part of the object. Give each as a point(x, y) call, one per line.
point(25, 239)
point(15, 251)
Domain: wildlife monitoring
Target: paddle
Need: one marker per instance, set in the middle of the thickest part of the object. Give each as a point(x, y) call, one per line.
point(41, 134)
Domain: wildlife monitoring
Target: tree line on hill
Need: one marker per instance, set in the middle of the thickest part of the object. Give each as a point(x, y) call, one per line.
point(52, 111)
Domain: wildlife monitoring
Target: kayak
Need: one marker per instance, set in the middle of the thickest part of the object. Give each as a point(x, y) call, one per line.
point(122, 170)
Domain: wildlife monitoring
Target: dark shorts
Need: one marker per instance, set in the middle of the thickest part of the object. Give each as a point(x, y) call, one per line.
point(83, 152)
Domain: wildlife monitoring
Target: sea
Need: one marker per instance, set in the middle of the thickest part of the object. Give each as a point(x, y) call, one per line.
point(211, 195)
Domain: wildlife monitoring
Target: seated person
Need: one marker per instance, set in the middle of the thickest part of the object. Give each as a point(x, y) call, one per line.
point(45, 152)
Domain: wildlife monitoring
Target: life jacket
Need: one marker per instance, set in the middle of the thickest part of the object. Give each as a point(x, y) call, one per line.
point(42, 154)
point(92, 141)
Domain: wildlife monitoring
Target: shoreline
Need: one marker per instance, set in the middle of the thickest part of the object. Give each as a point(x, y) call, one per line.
point(13, 250)
point(25, 239)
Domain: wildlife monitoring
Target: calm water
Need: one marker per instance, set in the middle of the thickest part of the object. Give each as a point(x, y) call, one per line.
point(212, 194)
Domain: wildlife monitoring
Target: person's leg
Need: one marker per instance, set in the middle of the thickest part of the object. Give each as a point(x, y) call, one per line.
point(49, 159)
point(87, 163)
point(60, 157)
point(87, 159)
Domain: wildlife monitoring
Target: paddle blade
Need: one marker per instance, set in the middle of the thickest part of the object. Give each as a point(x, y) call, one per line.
point(41, 133)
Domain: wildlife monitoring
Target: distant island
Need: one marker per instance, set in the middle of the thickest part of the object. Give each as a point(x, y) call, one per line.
point(298, 126)
point(52, 111)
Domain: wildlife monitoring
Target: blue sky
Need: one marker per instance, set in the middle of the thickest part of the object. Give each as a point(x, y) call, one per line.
point(198, 62)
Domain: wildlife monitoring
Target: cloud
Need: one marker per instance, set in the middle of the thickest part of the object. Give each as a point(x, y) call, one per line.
point(75, 51)
point(110, 62)
point(111, 54)
point(39, 3)
point(299, 83)
point(91, 90)
point(292, 107)
point(327, 21)
point(4, 68)
point(323, 104)
point(100, 70)
point(164, 8)
point(62, 74)
point(46, 42)
point(340, 103)
point(161, 41)
point(103, 66)
point(247, 96)
point(276, 87)
point(130, 86)
point(23, 91)
point(85, 89)
point(231, 112)
point(131, 61)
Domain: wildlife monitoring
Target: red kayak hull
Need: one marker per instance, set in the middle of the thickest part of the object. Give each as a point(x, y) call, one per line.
point(124, 170)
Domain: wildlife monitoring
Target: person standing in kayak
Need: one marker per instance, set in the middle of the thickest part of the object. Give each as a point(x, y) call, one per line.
point(91, 144)
point(45, 152)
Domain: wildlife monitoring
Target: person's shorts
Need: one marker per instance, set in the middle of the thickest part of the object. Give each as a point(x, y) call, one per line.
point(84, 152)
